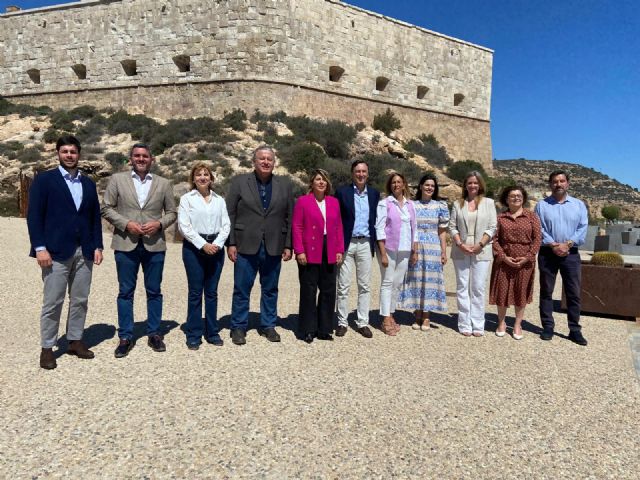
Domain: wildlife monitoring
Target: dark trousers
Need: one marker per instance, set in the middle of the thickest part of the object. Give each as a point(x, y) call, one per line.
point(127, 266)
point(570, 271)
point(316, 310)
point(203, 275)
point(244, 274)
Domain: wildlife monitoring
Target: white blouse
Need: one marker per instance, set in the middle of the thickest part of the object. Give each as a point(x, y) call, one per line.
point(197, 216)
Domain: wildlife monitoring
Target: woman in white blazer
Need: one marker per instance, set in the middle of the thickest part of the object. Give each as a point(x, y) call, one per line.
point(472, 226)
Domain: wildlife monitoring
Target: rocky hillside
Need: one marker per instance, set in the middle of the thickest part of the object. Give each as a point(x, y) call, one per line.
point(595, 188)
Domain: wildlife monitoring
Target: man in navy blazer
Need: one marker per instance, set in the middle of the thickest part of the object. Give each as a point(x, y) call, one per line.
point(65, 232)
point(358, 204)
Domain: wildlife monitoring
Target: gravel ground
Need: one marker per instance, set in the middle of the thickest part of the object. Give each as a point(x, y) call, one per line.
point(419, 405)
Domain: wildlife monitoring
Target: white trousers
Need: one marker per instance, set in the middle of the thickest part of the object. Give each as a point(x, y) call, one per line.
point(471, 279)
point(358, 256)
point(392, 280)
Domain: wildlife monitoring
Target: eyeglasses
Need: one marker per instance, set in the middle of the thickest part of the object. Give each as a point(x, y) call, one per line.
point(514, 196)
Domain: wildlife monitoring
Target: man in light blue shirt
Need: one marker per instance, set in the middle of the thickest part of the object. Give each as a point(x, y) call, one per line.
point(564, 224)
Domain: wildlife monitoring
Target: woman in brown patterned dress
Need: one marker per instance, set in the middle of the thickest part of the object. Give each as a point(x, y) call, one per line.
point(515, 246)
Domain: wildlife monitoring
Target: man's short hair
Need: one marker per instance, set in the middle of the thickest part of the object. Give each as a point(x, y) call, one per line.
point(68, 140)
point(357, 162)
point(555, 173)
point(263, 147)
point(140, 145)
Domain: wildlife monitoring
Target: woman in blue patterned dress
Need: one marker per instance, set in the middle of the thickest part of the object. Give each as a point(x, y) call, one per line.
point(423, 289)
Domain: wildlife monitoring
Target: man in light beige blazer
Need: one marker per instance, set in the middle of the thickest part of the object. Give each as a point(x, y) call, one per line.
point(140, 206)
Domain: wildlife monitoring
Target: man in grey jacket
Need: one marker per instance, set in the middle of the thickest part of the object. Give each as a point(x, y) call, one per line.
point(140, 206)
point(260, 206)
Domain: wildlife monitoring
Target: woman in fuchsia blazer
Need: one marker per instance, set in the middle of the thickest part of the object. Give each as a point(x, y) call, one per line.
point(318, 244)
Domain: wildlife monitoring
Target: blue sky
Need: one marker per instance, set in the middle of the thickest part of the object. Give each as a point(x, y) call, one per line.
point(566, 76)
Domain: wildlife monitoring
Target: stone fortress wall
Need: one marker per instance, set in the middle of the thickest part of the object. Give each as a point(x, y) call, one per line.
point(183, 58)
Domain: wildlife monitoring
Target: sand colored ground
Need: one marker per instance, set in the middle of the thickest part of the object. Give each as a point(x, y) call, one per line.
point(419, 405)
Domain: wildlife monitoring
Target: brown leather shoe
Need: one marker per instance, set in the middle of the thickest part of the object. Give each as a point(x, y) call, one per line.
point(47, 359)
point(341, 330)
point(365, 332)
point(79, 349)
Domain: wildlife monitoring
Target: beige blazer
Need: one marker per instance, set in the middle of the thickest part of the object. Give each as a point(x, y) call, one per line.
point(120, 206)
point(486, 223)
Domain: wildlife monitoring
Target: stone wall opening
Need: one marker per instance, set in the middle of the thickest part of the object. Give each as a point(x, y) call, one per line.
point(183, 62)
point(130, 68)
point(34, 75)
point(422, 91)
point(335, 73)
point(80, 70)
point(381, 83)
point(458, 98)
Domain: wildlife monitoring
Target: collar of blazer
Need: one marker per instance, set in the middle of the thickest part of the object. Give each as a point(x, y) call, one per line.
point(465, 213)
point(65, 188)
point(152, 190)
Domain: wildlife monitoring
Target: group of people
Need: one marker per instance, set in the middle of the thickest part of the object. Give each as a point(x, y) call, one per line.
point(331, 235)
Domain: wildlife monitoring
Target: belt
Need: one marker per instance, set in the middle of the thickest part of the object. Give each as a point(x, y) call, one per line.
point(358, 237)
point(209, 237)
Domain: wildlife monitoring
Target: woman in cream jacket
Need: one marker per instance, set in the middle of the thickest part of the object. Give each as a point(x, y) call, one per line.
point(472, 226)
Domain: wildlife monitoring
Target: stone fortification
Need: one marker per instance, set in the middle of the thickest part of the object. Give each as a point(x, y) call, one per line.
point(178, 58)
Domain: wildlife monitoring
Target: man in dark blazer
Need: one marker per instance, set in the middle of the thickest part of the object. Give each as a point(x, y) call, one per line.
point(260, 206)
point(65, 232)
point(358, 204)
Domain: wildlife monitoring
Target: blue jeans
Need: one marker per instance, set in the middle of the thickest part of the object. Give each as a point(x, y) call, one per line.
point(127, 266)
point(244, 272)
point(203, 275)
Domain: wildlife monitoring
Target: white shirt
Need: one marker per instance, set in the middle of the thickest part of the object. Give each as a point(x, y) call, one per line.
point(142, 187)
point(197, 216)
point(323, 209)
point(74, 184)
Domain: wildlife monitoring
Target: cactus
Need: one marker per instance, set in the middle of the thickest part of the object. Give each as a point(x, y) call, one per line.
point(611, 259)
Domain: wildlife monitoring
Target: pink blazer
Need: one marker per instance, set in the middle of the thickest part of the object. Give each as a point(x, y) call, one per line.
point(307, 229)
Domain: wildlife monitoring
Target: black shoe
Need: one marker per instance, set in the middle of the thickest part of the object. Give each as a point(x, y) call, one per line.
point(216, 341)
point(123, 348)
point(576, 337)
point(193, 346)
point(47, 359)
point(341, 331)
point(309, 337)
point(156, 343)
point(270, 333)
point(238, 337)
point(546, 335)
point(325, 336)
point(365, 332)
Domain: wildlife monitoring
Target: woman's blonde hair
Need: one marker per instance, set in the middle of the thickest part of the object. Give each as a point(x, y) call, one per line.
point(324, 175)
point(482, 187)
point(196, 168)
point(387, 186)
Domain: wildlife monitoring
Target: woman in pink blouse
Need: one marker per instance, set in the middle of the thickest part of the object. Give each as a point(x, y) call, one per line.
point(318, 245)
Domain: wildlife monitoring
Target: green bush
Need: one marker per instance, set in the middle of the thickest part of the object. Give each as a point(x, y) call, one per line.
point(29, 155)
point(429, 147)
point(386, 122)
point(610, 212)
point(302, 157)
point(458, 170)
point(51, 136)
point(10, 149)
point(9, 206)
point(333, 135)
point(495, 185)
point(116, 160)
point(9, 108)
point(62, 120)
point(236, 119)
